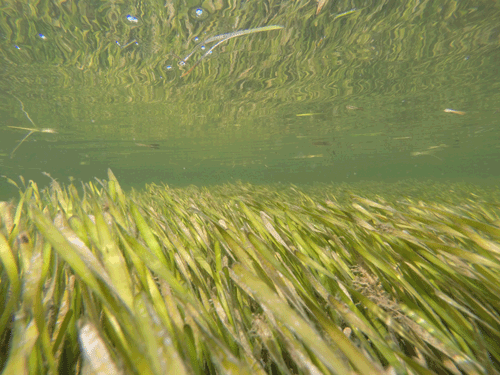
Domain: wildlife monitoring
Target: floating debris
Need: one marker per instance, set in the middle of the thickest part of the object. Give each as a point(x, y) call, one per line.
point(23, 110)
point(344, 13)
point(44, 130)
point(354, 108)
point(430, 151)
point(221, 39)
point(442, 145)
point(321, 4)
point(367, 134)
point(308, 114)
point(30, 130)
point(321, 143)
point(421, 153)
point(128, 44)
point(308, 156)
point(449, 110)
point(154, 146)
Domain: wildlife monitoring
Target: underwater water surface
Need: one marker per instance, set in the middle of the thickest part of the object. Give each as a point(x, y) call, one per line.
point(210, 92)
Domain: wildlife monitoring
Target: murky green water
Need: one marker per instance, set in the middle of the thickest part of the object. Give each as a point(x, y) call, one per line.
point(354, 91)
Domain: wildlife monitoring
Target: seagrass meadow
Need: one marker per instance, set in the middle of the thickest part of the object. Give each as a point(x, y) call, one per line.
point(246, 279)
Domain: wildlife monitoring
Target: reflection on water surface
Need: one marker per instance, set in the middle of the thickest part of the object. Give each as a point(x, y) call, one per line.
point(375, 83)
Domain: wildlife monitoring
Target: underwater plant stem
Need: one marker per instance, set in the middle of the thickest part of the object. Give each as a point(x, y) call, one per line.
point(25, 113)
point(20, 143)
point(202, 57)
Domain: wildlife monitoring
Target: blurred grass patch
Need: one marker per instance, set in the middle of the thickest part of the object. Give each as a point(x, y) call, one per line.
point(246, 279)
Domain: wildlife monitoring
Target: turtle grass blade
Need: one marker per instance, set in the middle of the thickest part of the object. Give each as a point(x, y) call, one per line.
point(23, 341)
point(151, 346)
point(17, 218)
point(157, 266)
point(88, 257)
point(32, 304)
point(359, 361)
point(270, 342)
point(63, 325)
point(295, 348)
point(115, 189)
point(10, 266)
point(226, 361)
point(95, 352)
point(368, 335)
point(280, 310)
point(67, 252)
point(113, 260)
point(147, 234)
point(272, 285)
point(492, 230)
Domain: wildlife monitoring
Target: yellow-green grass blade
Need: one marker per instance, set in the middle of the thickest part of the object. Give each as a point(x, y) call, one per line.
point(10, 266)
point(115, 190)
point(147, 234)
point(159, 304)
point(363, 327)
point(268, 254)
point(271, 344)
point(158, 267)
point(284, 286)
point(32, 304)
point(235, 249)
point(96, 355)
point(149, 342)
point(61, 332)
point(17, 216)
point(114, 261)
point(87, 256)
point(23, 340)
point(223, 358)
point(355, 356)
point(299, 353)
point(281, 311)
point(125, 339)
point(460, 220)
point(67, 252)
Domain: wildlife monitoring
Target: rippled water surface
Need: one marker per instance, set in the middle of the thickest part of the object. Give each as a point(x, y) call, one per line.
point(342, 91)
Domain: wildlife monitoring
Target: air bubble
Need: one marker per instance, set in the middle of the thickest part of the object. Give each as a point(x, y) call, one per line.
point(132, 19)
point(198, 13)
